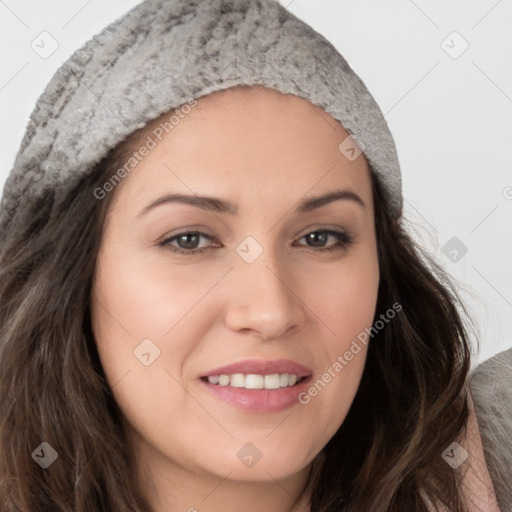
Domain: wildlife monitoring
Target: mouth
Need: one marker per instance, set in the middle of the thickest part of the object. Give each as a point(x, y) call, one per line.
point(258, 385)
point(258, 400)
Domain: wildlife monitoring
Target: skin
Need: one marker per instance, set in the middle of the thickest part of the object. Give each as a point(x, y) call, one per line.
point(265, 152)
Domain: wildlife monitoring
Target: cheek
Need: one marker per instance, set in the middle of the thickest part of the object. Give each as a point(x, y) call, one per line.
point(144, 297)
point(345, 298)
point(148, 317)
point(145, 326)
point(347, 310)
point(137, 311)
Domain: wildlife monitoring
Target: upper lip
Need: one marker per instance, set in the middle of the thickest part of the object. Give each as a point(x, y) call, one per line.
point(261, 367)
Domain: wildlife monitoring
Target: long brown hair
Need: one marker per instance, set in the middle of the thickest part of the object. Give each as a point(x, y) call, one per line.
point(385, 457)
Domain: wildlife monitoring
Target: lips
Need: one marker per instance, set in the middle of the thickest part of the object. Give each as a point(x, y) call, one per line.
point(245, 384)
point(261, 367)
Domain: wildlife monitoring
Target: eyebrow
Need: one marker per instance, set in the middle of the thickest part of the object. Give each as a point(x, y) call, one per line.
point(217, 205)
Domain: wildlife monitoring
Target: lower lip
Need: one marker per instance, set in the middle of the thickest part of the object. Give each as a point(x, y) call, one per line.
point(260, 400)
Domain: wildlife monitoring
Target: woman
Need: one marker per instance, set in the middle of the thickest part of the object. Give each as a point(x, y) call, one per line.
point(209, 301)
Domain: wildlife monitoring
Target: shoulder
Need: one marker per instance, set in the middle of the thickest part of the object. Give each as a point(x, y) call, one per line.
point(491, 391)
point(477, 486)
point(466, 456)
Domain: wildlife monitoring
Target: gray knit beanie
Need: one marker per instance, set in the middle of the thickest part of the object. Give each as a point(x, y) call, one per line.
point(158, 57)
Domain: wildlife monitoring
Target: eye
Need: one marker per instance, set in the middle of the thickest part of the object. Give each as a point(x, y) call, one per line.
point(188, 241)
point(319, 237)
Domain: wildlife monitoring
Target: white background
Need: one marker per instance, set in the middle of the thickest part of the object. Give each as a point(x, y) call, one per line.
point(451, 117)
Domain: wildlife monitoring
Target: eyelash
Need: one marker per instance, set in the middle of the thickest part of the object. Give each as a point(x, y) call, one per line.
point(344, 240)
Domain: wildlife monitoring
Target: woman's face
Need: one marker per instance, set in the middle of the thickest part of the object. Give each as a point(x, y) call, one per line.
point(254, 288)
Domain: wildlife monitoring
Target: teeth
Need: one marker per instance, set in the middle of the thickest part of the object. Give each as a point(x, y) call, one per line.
point(237, 380)
point(272, 381)
point(223, 380)
point(253, 381)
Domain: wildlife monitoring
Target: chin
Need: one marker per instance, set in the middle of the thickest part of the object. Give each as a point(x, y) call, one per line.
point(260, 461)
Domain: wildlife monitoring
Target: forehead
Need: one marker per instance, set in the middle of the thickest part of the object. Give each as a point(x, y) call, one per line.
point(235, 140)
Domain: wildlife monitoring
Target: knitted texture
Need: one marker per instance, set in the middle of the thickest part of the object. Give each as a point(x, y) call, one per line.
point(491, 389)
point(162, 54)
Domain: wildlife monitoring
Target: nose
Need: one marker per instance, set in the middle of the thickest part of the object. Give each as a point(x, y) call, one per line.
point(263, 301)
